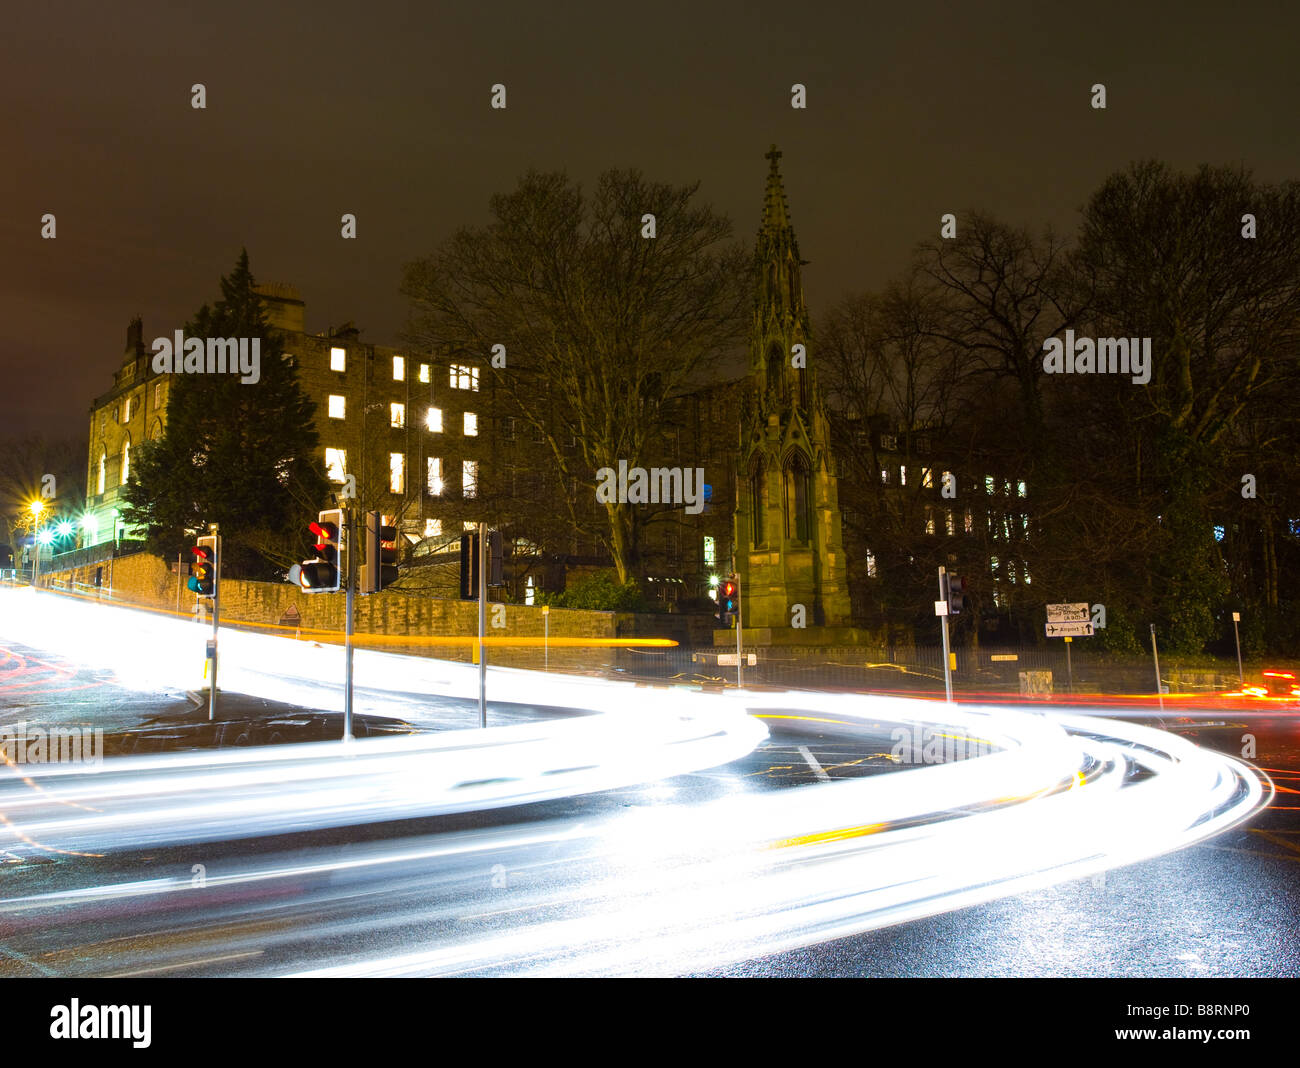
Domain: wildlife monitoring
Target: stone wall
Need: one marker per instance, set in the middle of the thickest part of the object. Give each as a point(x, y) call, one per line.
point(392, 621)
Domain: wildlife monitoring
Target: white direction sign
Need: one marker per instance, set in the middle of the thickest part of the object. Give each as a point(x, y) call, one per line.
point(1070, 629)
point(1068, 613)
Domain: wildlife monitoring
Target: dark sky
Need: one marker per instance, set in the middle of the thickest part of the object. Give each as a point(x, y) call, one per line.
point(383, 110)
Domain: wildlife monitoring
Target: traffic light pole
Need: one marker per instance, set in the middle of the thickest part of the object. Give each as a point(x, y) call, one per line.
point(349, 522)
point(216, 617)
point(943, 620)
point(482, 624)
point(740, 659)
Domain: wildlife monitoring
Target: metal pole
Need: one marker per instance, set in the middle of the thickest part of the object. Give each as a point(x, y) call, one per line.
point(1156, 655)
point(546, 637)
point(943, 620)
point(740, 659)
point(36, 548)
point(216, 617)
point(349, 526)
point(482, 625)
point(1069, 665)
point(1241, 674)
point(179, 580)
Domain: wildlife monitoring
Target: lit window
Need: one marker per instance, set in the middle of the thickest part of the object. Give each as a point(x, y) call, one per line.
point(947, 480)
point(469, 524)
point(1024, 569)
point(433, 420)
point(396, 472)
point(471, 424)
point(530, 591)
point(157, 396)
point(927, 478)
point(399, 369)
point(993, 564)
point(710, 551)
point(103, 472)
point(929, 520)
point(968, 524)
point(1020, 489)
point(433, 528)
point(126, 460)
point(871, 564)
point(950, 523)
point(336, 463)
point(435, 476)
point(464, 377)
point(990, 484)
point(424, 372)
point(469, 478)
point(1219, 533)
point(338, 406)
point(884, 476)
point(338, 359)
point(397, 415)
point(902, 475)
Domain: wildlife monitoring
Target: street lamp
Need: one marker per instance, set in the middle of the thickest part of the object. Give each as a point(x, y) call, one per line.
point(36, 508)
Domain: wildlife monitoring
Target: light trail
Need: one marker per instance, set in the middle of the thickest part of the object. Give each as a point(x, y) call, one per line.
point(755, 875)
point(663, 888)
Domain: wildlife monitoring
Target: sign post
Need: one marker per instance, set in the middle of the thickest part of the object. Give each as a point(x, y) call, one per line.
point(353, 551)
point(546, 637)
point(1241, 674)
point(1160, 690)
point(482, 625)
point(941, 610)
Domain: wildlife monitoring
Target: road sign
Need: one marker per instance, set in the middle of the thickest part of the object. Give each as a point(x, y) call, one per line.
point(729, 659)
point(1068, 613)
point(1076, 629)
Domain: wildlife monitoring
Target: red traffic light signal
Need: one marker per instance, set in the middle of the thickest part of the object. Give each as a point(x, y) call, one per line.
point(325, 573)
point(381, 555)
point(203, 581)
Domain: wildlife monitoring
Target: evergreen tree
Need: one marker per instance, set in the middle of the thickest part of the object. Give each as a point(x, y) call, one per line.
point(241, 454)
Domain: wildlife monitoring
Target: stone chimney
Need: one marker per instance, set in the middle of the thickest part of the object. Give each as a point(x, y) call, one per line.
point(134, 339)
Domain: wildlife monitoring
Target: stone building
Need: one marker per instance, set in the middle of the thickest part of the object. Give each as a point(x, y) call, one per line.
point(406, 427)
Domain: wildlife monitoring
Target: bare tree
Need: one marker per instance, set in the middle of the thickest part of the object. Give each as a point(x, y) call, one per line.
point(601, 322)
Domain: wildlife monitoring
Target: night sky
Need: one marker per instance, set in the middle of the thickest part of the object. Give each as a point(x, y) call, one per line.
point(382, 110)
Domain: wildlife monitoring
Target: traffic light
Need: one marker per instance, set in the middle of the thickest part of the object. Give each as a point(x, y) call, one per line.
point(381, 555)
point(469, 567)
point(470, 556)
point(729, 598)
point(204, 577)
point(326, 573)
point(956, 594)
point(496, 558)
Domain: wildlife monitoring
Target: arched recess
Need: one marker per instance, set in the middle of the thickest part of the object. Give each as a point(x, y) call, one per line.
point(757, 500)
point(775, 365)
point(797, 483)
